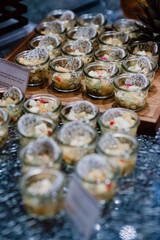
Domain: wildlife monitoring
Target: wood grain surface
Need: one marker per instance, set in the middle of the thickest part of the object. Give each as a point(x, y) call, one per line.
point(150, 115)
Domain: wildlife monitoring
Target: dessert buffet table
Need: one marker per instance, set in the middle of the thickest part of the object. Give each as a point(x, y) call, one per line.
point(133, 214)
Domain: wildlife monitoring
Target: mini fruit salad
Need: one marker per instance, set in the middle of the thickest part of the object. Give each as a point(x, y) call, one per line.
point(113, 38)
point(66, 73)
point(148, 49)
point(140, 65)
point(67, 17)
point(43, 152)
point(131, 91)
point(44, 105)
point(119, 120)
point(11, 101)
point(80, 110)
point(50, 42)
point(97, 176)
point(4, 119)
point(120, 150)
point(37, 61)
point(76, 140)
point(42, 192)
point(99, 78)
point(55, 27)
point(80, 48)
point(98, 21)
point(31, 127)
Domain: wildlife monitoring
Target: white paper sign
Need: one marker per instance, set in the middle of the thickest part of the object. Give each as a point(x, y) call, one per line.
point(12, 74)
point(82, 208)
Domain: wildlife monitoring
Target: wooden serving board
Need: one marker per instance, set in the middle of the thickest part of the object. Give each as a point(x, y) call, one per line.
point(150, 115)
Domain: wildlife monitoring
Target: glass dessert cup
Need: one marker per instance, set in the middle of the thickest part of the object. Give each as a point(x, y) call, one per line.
point(60, 14)
point(65, 78)
point(71, 35)
point(111, 38)
point(110, 54)
point(53, 51)
point(140, 65)
point(42, 192)
point(131, 94)
point(45, 28)
point(4, 119)
point(44, 105)
point(128, 26)
point(42, 153)
point(75, 140)
point(119, 120)
point(147, 49)
point(39, 73)
point(80, 110)
point(31, 127)
point(121, 151)
point(86, 57)
point(11, 101)
point(97, 177)
point(99, 78)
point(89, 20)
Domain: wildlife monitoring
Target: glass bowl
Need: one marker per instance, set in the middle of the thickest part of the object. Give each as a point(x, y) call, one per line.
point(89, 19)
point(44, 105)
point(67, 17)
point(99, 79)
point(121, 151)
point(128, 26)
point(43, 192)
point(38, 67)
point(111, 38)
point(148, 49)
point(97, 177)
point(53, 50)
point(140, 65)
point(4, 119)
point(76, 140)
point(31, 127)
point(65, 76)
point(86, 57)
point(41, 153)
point(85, 111)
point(131, 91)
point(119, 120)
point(45, 28)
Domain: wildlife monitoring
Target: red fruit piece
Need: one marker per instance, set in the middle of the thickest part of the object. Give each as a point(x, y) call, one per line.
point(109, 186)
point(111, 123)
point(100, 75)
point(49, 131)
point(58, 78)
point(122, 160)
point(11, 119)
point(41, 101)
point(103, 58)
point(129, 85)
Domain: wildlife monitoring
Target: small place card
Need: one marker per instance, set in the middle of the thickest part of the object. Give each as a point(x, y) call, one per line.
point(11, 74)
point(82, 208)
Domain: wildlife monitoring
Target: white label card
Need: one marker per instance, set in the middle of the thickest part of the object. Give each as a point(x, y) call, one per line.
point(82, 208)
point(11, 74)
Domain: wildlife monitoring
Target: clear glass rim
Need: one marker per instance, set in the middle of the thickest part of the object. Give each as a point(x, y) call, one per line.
point(44, 24)
point(60, 12)
point(136, 117)
point(111, 33)
point(29, 65)
point(52, 64)
point(90, 65)
point(140, 43)
point(125, 76)
point(154, 65)
point(122, 135)
point(42, 96)
point(88, 16)
point(73, 55)
point(71, 104)
point(5, 115)
point(13, 104)
point(124, 20)
point(109, 48)
point(38, 38)
point(75, 30)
